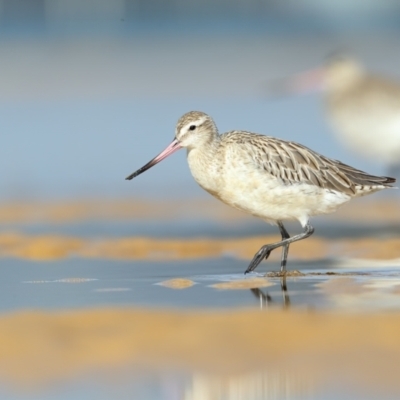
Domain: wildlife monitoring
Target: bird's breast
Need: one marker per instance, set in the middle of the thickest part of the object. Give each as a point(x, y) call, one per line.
point(206, 171)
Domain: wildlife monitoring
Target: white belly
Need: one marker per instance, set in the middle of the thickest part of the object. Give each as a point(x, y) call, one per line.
point(268, 198)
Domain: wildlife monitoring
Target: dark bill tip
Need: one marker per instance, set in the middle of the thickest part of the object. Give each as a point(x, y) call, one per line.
point(174, 146)
point(140, 170)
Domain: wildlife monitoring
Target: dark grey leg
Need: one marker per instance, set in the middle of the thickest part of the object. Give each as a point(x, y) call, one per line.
point(285, 248)
point(265, 251)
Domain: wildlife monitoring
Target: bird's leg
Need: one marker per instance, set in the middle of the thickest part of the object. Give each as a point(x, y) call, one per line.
point(265, 251)
point(285, 248)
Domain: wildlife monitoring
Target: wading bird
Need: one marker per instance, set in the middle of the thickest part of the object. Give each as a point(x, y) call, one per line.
point(272, 179)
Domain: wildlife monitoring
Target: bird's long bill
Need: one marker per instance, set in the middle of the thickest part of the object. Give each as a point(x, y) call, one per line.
point(305, 82)
point(174, 146)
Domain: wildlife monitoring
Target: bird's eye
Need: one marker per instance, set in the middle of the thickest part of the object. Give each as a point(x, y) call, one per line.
point(192, 127)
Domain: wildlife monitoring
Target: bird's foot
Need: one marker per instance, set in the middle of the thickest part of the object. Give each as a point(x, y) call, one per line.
point(264, 252)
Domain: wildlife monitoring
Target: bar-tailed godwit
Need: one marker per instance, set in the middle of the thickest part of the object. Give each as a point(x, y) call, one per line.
point(363, 108)
point(272, 179)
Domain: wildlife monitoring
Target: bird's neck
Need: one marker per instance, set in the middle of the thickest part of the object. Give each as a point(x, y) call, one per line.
point(203, 164)
point(207, 148)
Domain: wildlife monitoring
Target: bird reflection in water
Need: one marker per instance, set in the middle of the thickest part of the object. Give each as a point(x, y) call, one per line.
point(266, 300)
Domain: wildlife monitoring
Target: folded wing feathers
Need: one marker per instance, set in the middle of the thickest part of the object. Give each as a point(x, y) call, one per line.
point(294, 163)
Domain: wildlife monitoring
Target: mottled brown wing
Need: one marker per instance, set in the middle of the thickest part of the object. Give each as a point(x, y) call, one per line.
point(294, 163)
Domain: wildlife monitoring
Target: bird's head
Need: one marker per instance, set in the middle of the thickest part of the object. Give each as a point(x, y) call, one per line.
point(341, 71)
point(193, 129)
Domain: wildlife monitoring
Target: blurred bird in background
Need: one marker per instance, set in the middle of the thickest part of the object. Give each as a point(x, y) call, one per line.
point(363, 108)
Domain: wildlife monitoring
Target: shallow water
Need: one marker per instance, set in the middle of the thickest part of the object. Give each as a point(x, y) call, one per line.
point(77, 283)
